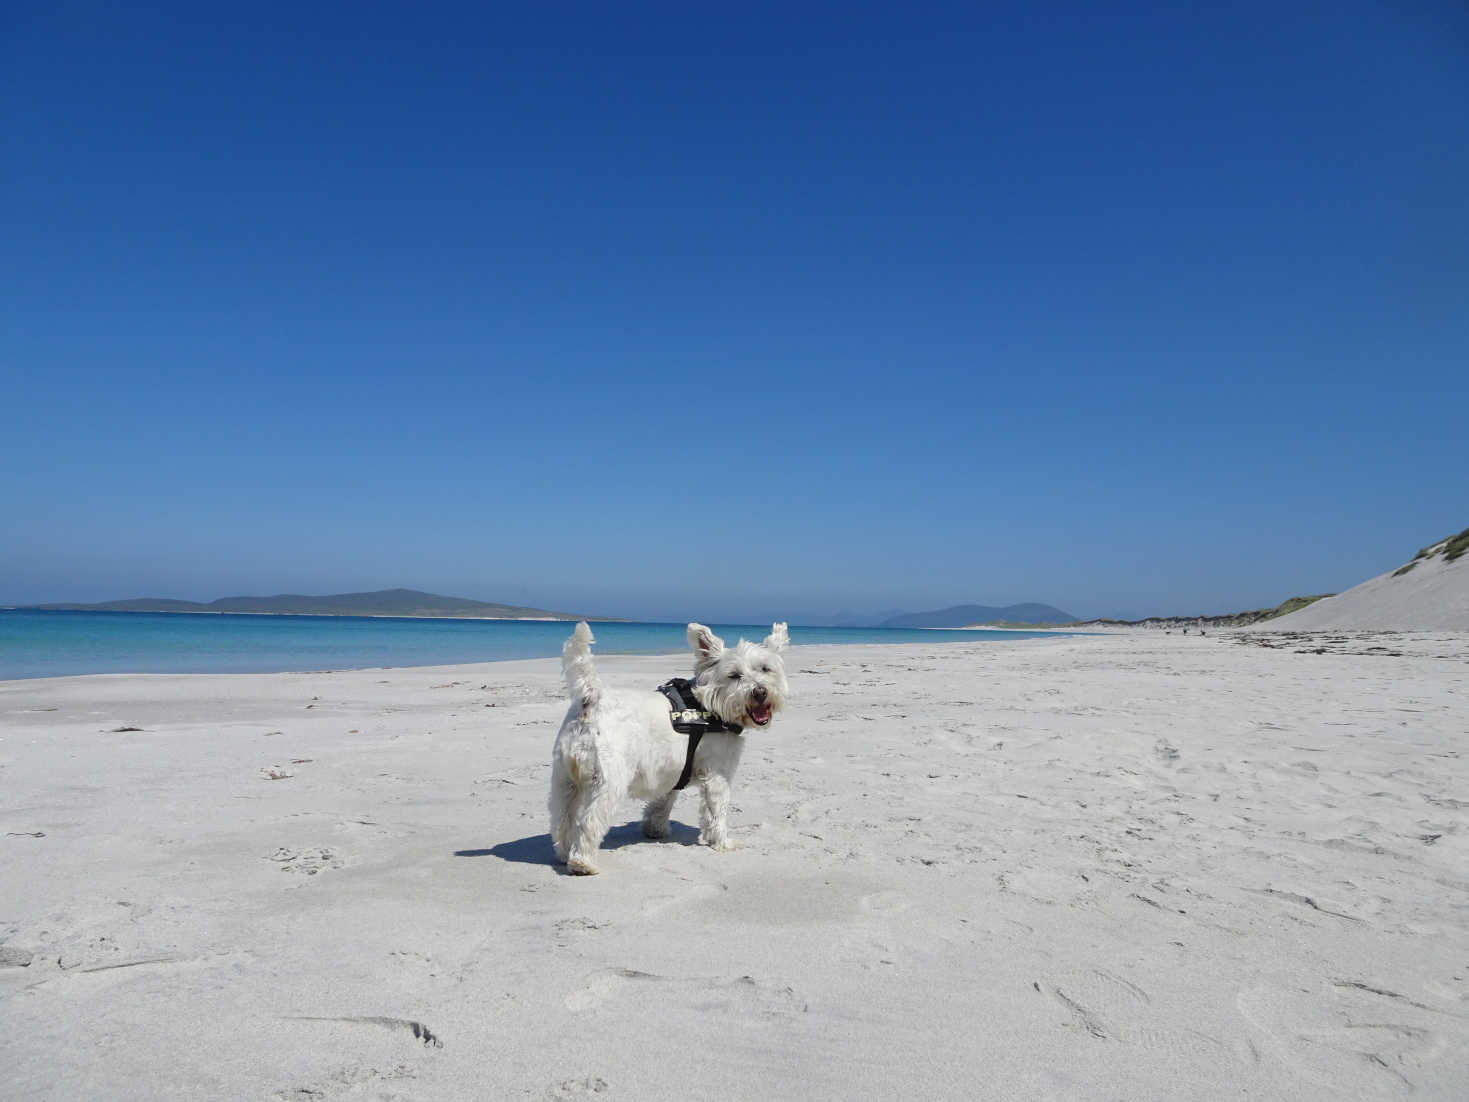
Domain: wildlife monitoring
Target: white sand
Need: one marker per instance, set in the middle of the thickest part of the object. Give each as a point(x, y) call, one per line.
point(1135, 867)
point(1434, 595)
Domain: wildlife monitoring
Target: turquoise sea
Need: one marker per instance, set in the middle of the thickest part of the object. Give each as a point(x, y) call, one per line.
point(58, 644)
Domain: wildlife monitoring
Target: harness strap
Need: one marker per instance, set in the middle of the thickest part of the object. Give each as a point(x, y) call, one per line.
point(688, 762)
point(690, 719)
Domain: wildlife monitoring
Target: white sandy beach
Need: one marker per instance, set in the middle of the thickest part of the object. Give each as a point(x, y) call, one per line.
point(1138, 866)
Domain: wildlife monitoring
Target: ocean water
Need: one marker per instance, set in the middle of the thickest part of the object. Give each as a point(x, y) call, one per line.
point(58, 644)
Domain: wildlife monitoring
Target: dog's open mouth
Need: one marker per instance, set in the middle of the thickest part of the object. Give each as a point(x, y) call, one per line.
point(758, 714)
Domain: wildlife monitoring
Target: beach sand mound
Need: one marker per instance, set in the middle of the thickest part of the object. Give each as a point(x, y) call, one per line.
point(1430, 593)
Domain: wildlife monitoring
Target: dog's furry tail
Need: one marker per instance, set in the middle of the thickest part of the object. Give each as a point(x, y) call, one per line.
point(582, 682)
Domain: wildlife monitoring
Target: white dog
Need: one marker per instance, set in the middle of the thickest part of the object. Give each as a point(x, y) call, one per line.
point(621, 742)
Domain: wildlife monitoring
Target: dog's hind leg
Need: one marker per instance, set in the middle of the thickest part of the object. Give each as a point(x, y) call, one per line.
point(562, 805)
point(655, 816)
point(594, 808)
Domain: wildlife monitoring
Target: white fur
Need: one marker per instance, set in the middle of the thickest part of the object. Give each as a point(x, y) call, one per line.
point(616, 743)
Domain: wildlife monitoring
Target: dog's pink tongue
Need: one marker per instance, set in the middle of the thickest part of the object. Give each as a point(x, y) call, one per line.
point(760, 714)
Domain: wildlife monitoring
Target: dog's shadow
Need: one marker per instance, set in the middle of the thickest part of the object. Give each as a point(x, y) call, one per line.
point(536, 849)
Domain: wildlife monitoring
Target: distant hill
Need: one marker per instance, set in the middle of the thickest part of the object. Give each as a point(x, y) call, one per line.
point(384, 602)
point(1430, 592)
point(963, 615)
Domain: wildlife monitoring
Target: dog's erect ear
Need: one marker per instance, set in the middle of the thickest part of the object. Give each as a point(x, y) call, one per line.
point(706, 645)
point(778, 639)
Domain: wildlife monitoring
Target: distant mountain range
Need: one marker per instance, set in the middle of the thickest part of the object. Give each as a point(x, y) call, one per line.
point(413, 602)
point(963, 615)
point(383, 602)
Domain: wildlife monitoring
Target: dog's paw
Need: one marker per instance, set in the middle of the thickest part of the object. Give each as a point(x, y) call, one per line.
point(655, 830)
point(582, 867)
point(721, 845)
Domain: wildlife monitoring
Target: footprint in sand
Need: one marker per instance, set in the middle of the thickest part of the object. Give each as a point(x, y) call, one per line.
point(1044, 885)
point(1184, 1045)
point(813, 809)
point(308, 861)
point(111, 937)
point(601, 986)
point(419, 962)
point(353, 1082)
point(1336, 1034)
point(574, 927)
point(698, 893)
point(743, 995)
point(1098, 1001)
point(568, 1089)
point(1111, 1008)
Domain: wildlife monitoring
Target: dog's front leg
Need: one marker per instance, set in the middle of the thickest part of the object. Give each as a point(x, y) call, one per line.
point(655, 816)
point(714, 788)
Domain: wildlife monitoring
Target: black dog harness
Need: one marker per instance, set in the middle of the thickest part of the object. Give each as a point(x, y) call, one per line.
point(690, 719)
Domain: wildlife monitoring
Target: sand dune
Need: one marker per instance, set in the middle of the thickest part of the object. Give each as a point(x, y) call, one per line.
point(1137, 867)
point(1431, 596)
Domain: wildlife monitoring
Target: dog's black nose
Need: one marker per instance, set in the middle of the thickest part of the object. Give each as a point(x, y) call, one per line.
point(760, 694)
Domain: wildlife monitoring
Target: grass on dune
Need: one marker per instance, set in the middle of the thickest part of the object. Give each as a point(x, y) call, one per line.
point(1450, 548)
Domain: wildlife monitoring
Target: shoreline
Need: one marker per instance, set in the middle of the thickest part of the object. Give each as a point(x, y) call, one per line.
point(448, 668)
point(60, 643)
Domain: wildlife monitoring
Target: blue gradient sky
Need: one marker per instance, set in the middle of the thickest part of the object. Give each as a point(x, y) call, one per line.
point(636, 310)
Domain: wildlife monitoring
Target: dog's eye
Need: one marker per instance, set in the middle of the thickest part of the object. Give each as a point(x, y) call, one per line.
point(764, 669)
point(735, 676)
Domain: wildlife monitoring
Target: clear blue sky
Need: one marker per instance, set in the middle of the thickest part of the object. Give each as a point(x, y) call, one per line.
point(647, 311)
